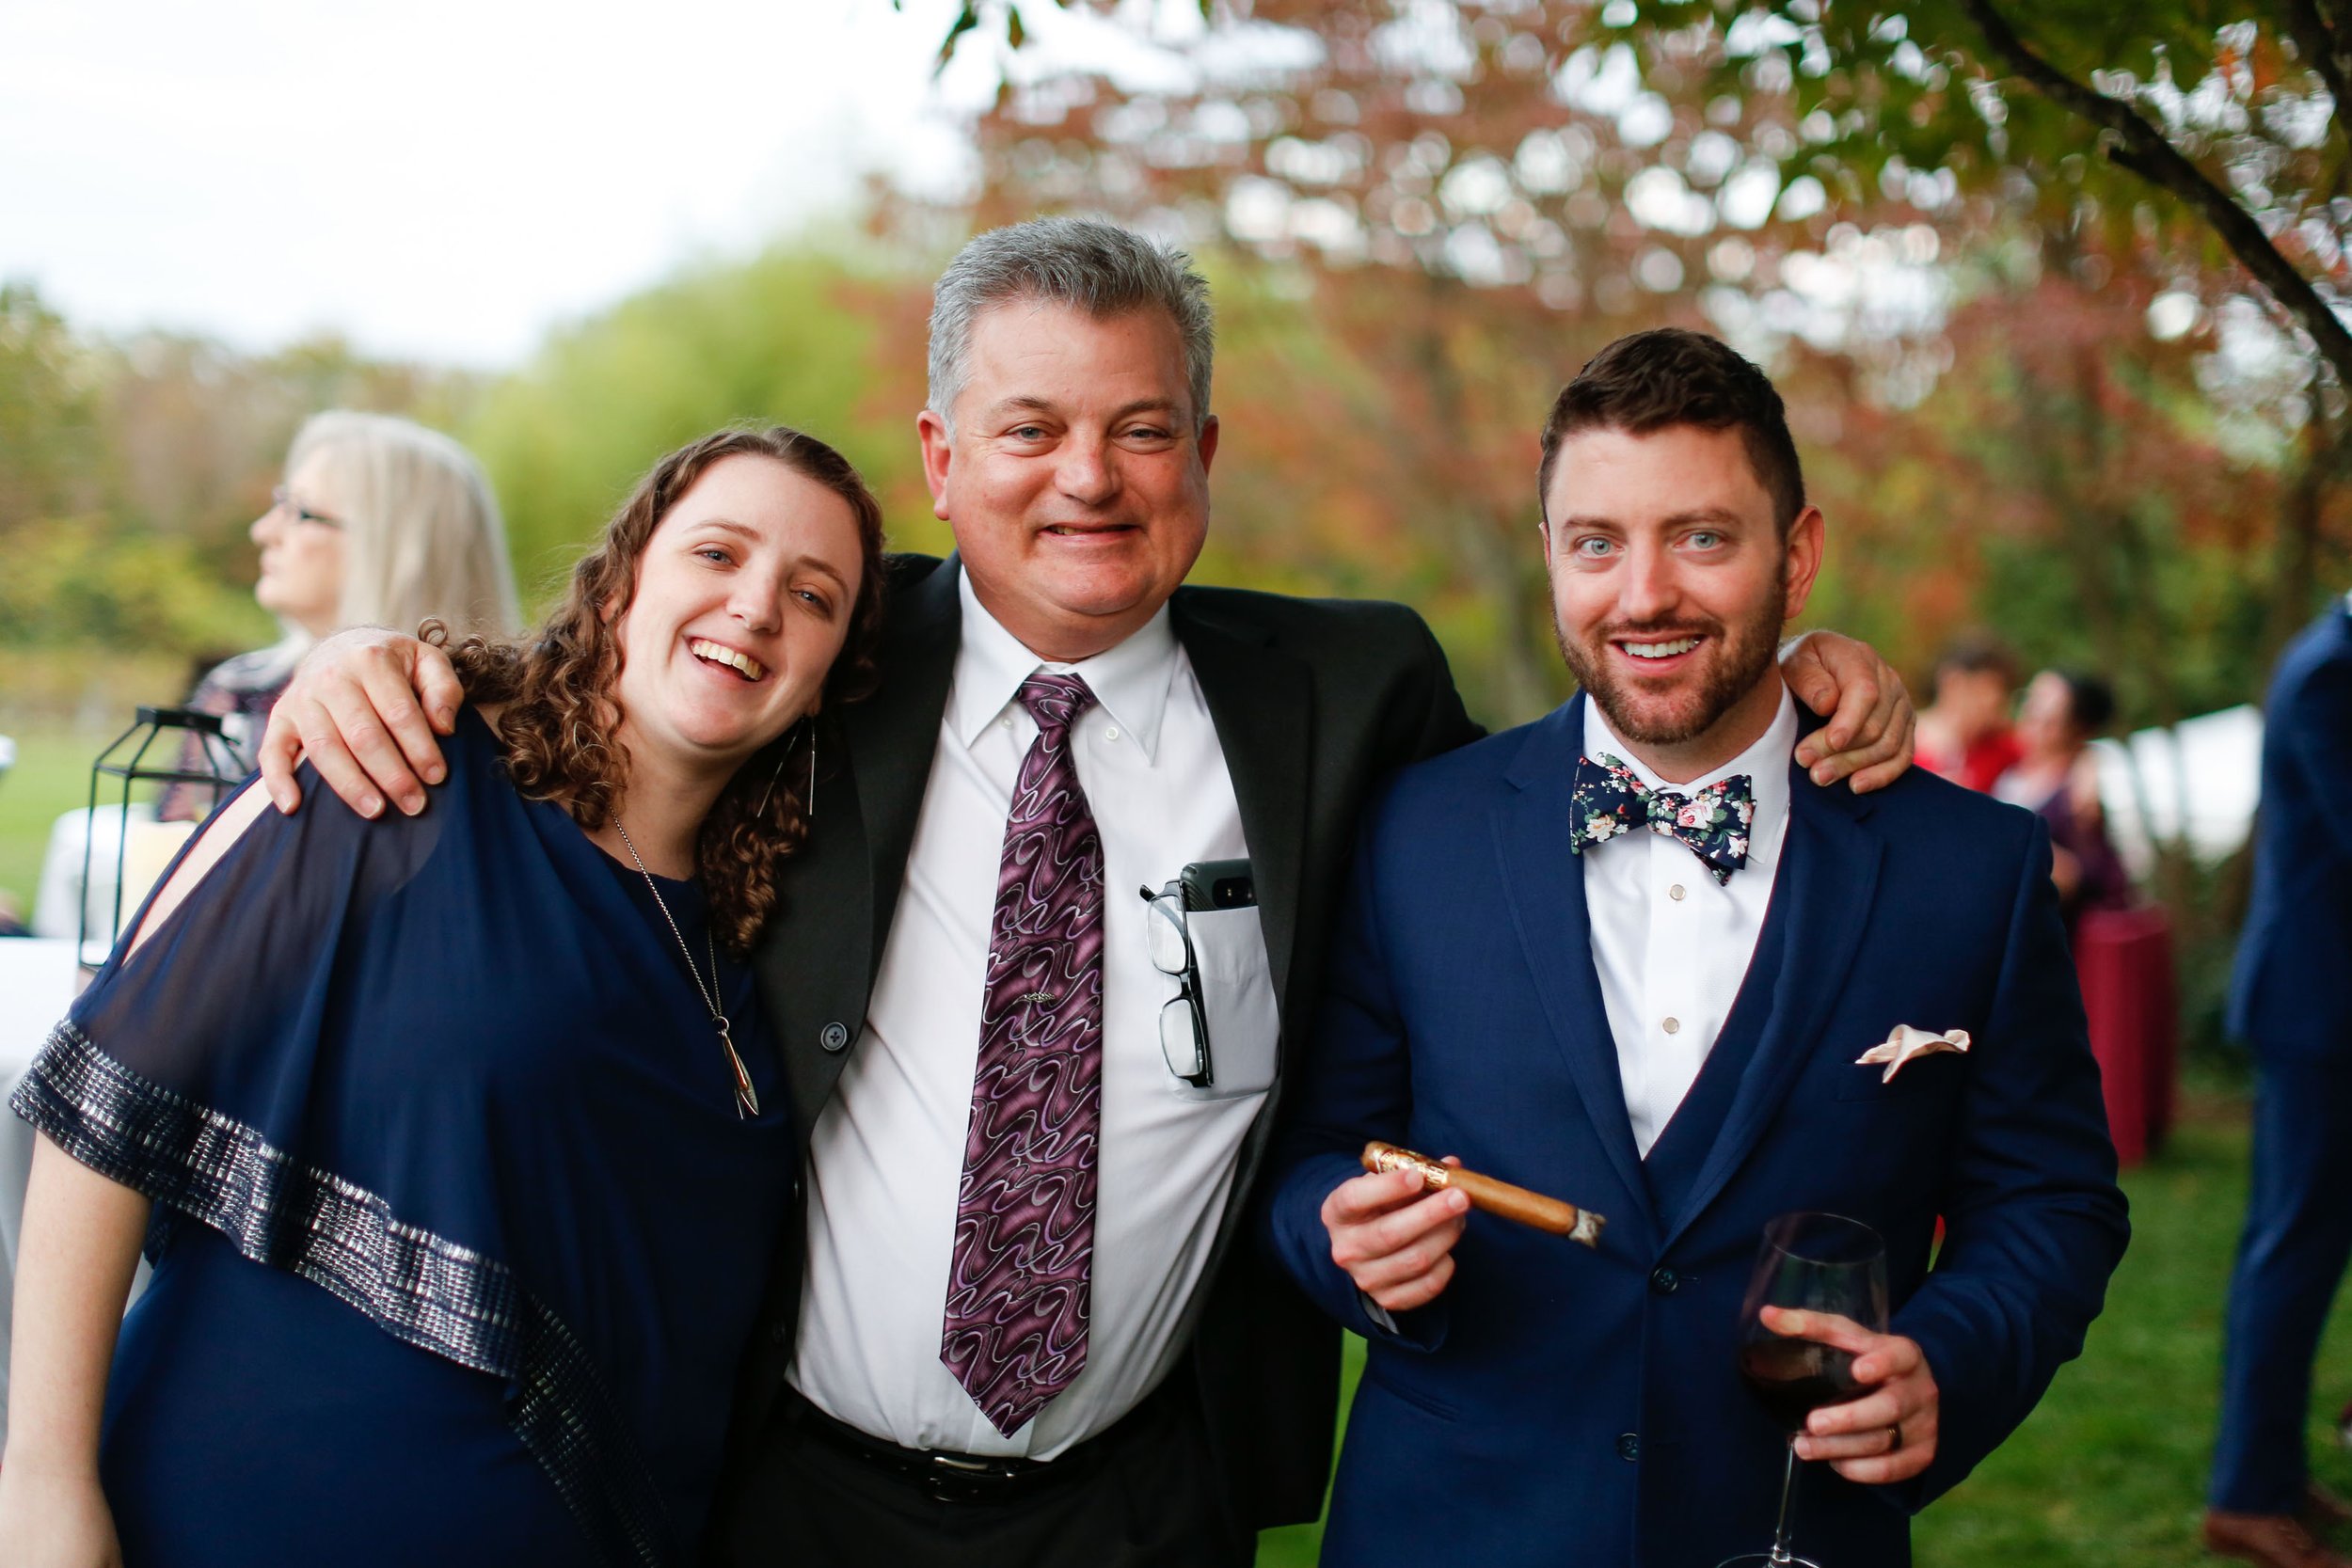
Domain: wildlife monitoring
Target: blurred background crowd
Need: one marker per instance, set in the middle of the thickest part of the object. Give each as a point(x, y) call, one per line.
point(2074, 413)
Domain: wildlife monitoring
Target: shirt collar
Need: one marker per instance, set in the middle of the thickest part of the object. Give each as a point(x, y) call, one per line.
point(1130, 680)
point(1766, 762)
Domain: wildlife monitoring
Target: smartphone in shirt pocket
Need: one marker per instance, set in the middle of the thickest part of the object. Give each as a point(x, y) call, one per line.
point(1221, 1032)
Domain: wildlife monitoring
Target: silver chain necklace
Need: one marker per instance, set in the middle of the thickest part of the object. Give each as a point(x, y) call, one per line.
point(746, 1100)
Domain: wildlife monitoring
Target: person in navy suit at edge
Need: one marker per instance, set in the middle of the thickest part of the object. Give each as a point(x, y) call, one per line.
point(2290, 1000)
point(1664, 1029)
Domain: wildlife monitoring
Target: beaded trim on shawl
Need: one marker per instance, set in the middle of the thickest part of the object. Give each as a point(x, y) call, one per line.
point(420, 1287)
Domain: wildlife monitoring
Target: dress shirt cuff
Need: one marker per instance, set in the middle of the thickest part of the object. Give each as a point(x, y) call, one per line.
point(1421, 1328)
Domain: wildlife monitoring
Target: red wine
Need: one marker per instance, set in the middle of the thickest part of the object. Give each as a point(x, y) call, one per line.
point(1796, 1377)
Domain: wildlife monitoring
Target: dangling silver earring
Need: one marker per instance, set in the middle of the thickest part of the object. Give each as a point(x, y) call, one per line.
point(808, 806)
point(782, 757)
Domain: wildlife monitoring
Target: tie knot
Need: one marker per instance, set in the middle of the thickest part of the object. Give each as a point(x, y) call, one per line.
point(1055, 701)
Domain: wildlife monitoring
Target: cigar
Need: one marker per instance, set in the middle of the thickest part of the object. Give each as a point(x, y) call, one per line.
point(1496, 1198)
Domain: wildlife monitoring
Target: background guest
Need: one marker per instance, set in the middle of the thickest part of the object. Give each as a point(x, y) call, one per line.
point(1964, 735)
point(379, 522)
point(2057, 776)
point(2290, 1000)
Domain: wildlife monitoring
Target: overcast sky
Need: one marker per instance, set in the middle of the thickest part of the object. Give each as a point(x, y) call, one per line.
point(439, 179)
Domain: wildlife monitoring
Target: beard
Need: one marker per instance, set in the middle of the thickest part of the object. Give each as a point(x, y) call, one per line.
point(1670, 710)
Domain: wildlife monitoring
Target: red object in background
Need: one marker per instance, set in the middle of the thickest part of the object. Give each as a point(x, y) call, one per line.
point(1991, 757)
point(2125, 960)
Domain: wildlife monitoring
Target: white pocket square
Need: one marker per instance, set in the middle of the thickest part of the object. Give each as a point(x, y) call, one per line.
point(1906, 1043)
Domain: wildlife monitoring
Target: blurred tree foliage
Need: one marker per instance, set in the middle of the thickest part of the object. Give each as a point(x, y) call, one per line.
point(131, 470)
point(2206, 130)
point(49, 413)
point(802, 336)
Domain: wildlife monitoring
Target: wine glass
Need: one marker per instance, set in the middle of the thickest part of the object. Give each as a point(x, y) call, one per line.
point(1812, 1263)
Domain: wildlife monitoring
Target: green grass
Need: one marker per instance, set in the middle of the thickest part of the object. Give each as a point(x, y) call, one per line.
point(2109, 1472)
point(50, 777)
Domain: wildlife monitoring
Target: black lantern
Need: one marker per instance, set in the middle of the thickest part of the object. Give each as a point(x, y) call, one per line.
point(177, 748)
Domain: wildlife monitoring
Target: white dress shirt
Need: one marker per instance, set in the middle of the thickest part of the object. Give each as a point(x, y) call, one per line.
point(1669, 944)
point(887, 1152)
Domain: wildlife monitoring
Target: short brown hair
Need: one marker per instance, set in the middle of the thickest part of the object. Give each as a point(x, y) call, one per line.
point(1671, 376)
point(557, 686)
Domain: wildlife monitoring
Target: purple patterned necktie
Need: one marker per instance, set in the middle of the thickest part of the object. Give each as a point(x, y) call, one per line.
point(1019, 1295)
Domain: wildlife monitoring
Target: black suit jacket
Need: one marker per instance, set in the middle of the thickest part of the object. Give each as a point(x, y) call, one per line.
point(1314, 702)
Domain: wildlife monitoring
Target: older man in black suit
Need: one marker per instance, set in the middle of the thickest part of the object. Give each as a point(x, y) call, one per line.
point(968, 1036)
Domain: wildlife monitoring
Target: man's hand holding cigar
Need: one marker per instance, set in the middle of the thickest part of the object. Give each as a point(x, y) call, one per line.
point(1395, 1237)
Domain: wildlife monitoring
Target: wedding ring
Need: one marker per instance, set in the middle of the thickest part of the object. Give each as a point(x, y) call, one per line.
point(1898, 1430)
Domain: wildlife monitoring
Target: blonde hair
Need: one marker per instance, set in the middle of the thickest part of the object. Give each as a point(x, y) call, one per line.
point(422, 533)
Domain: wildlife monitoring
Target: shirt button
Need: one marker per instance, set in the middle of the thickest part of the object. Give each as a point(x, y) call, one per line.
point(1111, 732)
point(1675, 892)
point(1629, 1447)
point(1674, 1026)
point(1664, 1282)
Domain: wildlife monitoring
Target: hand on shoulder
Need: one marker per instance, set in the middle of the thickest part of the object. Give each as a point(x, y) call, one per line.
point(364, 707)
point(1871, 722)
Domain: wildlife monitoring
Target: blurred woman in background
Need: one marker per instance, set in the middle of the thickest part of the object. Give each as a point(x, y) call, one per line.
point(2056, 776)
point(379, 522)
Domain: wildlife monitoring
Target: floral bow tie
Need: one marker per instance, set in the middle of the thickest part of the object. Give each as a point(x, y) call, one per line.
point(1608, 799)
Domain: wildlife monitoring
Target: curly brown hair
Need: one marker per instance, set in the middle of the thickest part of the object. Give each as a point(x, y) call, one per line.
point(559, 713)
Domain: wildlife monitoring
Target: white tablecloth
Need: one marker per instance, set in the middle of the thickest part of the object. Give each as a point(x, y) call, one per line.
point(38, 980)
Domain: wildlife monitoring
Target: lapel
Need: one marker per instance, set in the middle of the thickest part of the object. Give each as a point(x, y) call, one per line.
point(892, 738)
point(1261, 702)
point(1829, 874)
point(1544, 884)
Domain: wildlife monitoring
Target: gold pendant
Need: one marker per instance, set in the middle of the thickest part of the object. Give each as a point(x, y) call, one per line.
point(746, 1098)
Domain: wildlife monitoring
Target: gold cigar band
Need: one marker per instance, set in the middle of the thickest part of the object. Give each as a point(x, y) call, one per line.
point(1496, 1198)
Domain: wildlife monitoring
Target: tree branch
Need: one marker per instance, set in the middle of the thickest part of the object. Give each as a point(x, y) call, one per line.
point(2145, 150)
point(2320, 42)
point(2316, 41)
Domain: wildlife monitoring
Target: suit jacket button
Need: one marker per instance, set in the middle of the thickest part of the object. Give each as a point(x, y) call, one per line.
point(779, 1332)
point(1664, 1282)
point(834, 1037)
point(1629, 1447)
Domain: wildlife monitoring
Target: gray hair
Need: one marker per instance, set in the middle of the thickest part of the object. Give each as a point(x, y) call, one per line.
point(1083, 264)
point(421, 533)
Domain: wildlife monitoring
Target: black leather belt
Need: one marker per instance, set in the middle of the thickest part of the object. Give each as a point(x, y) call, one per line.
point(964, 1478)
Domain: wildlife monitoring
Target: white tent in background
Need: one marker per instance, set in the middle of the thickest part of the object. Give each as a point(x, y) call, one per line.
point(2212, 762)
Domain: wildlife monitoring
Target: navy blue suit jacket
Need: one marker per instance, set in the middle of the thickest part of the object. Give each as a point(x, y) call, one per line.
point(2290, 997)
point(1558, 1405)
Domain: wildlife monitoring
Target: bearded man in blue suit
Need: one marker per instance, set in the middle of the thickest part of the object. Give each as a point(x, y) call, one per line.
point(1663, 1025)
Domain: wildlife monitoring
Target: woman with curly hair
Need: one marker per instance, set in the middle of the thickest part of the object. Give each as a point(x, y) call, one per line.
point(456, 1139)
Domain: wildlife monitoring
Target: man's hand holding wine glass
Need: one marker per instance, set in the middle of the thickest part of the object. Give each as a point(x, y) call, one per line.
point(1887, 1435)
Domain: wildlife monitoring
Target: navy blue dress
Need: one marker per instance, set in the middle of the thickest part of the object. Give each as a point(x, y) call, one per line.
point(458, 1234)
